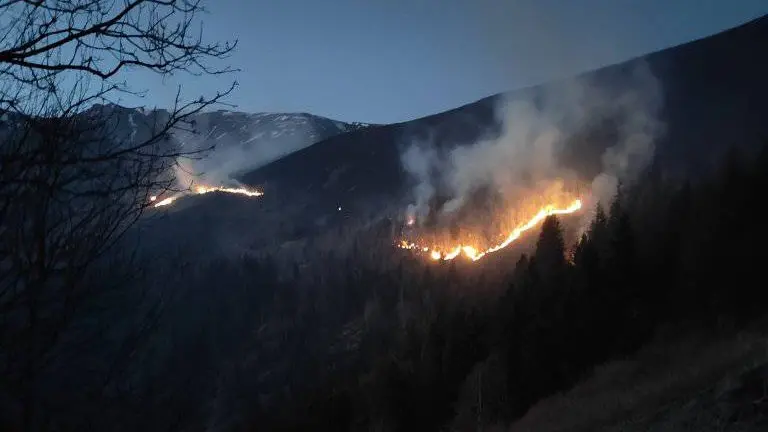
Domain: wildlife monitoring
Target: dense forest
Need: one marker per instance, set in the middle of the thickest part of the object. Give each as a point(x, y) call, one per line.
point(661, 256)
point(377, 339)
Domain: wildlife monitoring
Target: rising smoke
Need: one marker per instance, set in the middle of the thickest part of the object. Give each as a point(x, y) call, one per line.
point(537, 129)
point(225, 156)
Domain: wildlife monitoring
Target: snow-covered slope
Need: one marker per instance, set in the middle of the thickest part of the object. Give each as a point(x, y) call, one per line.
point(281, 132)
point(243, 141)
point(240, 141)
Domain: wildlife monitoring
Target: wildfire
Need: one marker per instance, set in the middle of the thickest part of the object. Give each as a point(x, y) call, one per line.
point(475, 254)
point(202, 189)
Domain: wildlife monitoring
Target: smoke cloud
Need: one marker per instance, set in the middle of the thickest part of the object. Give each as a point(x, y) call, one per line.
point(250, 144)
point(613, 120)
point(421, 160)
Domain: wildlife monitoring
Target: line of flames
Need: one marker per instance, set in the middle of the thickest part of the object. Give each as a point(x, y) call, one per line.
point(201, 189)
point(474, 254)
point(470, 252)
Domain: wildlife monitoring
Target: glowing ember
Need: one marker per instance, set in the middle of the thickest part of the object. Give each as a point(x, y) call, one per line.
point(202, 189)
point(474, 254)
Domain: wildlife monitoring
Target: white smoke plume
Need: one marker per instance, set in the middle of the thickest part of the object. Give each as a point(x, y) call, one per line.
point(535, 131)
point(638, 132)
point(236, 152)
point(420, 159)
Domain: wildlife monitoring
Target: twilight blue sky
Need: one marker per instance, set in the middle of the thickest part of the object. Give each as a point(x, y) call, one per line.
point(384, 61)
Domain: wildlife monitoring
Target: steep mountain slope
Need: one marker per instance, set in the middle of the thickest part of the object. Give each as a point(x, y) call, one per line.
point(714, 93)
point(661, 389)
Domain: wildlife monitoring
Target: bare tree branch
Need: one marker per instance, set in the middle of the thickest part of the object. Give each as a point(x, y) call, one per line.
point(72, 182)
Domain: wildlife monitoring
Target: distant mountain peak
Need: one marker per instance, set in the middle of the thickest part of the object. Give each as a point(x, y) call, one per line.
point(240, 141)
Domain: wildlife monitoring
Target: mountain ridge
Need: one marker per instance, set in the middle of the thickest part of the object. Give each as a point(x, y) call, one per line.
point(704, 111)
point(672, 66)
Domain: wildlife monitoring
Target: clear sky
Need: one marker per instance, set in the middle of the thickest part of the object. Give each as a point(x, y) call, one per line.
point(384, 61)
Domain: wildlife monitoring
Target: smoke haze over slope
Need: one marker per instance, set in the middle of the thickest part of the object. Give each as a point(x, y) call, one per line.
point(235, 142)
point(536, 129)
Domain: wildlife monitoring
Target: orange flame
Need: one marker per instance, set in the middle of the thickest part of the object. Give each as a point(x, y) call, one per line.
point(474, 254)
point(242, 191)
point(202, 189)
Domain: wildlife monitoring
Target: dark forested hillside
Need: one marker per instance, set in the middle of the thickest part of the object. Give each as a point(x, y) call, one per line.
point(378, 339)
point(432, 348)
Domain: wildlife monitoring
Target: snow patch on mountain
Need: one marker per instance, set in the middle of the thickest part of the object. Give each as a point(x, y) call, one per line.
point(237, 141)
